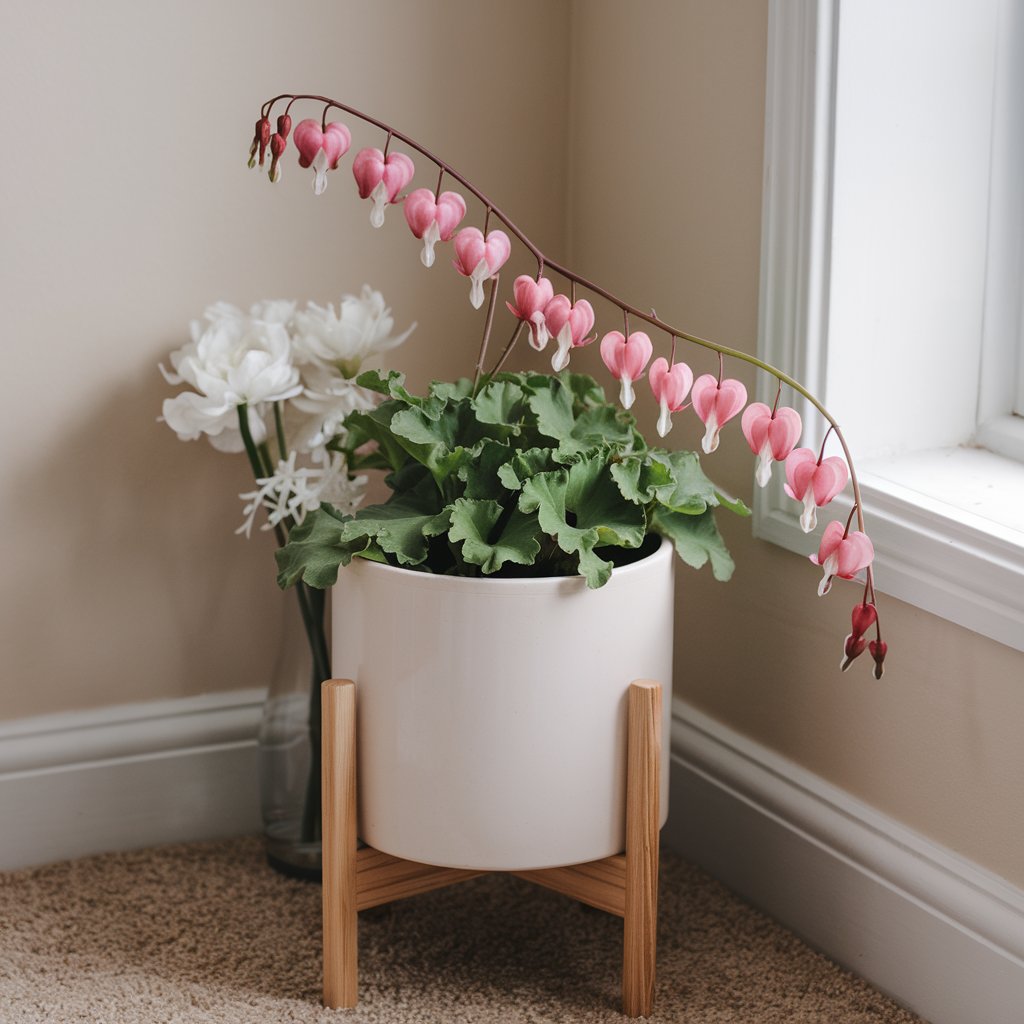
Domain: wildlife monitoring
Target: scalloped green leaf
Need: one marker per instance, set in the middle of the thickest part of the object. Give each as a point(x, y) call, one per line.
point(640, 478)
point(696, 539)
point(315, 551)
point(523, 465)
point(474, 523)
point(500, 402)
point(401, 526)
point(552, 405)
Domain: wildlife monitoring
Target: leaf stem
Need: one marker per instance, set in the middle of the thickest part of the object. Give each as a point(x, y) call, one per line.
point(487, 332)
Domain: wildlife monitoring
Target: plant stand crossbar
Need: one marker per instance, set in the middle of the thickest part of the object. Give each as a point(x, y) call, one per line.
point(357, 879)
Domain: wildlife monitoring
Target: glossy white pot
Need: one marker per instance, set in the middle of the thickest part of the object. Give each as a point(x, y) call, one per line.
point(491, 714)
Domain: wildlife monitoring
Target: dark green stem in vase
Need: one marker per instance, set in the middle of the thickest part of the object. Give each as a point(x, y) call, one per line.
point(312, 603)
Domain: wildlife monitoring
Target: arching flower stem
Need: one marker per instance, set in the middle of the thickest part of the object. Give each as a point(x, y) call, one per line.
point(574, 278)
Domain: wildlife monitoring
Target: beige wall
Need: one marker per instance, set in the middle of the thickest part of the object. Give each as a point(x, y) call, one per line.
point(679, 87)
point(127, 208)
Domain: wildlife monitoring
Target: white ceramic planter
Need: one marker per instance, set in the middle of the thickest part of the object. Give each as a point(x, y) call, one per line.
point(491, 714)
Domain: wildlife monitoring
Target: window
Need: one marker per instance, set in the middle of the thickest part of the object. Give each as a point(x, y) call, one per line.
point(892, 253)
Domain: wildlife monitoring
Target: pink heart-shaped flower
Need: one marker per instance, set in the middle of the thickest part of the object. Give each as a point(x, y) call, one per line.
point(370, 168)
point(804, 476)
point(723, 399)
point(531, 299)
point(716, 402)
point(471, 249)
point(670, 384)
point(626, 357)
point(841, 554)
point(311, 139)
point(780, 431)
point(422, 210)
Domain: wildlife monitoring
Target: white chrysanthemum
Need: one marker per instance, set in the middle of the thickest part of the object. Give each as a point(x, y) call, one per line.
point(232, 360)
point(294, 491)
point(343, 340)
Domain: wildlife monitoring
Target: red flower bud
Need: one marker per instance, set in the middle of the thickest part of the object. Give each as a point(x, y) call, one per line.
point(878, 649)
point(864, 617)
point(853, 648)
point(277, 147)
point(284, 126)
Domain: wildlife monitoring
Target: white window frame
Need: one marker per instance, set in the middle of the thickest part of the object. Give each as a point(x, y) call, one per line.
point(943, 559)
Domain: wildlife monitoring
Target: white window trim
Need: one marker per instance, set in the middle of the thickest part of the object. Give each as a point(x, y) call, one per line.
point(928, 553)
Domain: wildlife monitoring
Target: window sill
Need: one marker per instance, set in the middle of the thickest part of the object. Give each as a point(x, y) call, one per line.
point(948, 531)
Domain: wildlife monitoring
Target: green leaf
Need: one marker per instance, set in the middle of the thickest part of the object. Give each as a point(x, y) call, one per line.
point(500, 402)
point(696, 539)
point(523, 465)
point(401, 526)
point(474, 522)
point(640, 477)
point(690, 492)
point(451, 391)
point(552, 405)
point(392, 385)
point(582, 508)
point(315, 551)
point(375, 425)
point(481, 472)
point(593, 496)
point(429, 440)
point(732, 504)
point(585, 390)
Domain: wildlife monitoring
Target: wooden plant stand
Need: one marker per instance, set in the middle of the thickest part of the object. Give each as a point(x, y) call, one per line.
point(357, 879)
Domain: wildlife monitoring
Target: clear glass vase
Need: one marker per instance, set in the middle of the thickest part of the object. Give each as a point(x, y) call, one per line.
point(288, 743)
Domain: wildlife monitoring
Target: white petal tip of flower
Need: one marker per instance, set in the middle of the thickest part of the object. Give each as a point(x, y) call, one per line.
point(476, 294)
point(427, 255)
point(709, 442)
point(664, 420)
point(626, 394)
point(809, 516)
point(825, 585)
point(764, 470)
point(380, 199)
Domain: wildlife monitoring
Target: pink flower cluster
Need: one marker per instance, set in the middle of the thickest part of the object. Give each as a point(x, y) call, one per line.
point(772, 433)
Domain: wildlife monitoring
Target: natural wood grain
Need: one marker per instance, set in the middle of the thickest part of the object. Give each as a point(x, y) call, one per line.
point(338, 704)
point(643, 762)
point(598, 883)
point(381, 878)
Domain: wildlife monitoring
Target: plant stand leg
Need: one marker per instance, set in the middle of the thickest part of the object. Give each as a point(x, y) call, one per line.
point(626, 885)
point(643, 763)
point(339, 843)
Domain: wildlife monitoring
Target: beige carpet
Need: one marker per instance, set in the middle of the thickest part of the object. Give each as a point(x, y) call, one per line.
point(207, 933)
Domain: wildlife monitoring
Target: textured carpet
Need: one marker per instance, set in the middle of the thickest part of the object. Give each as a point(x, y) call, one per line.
point(207, 933)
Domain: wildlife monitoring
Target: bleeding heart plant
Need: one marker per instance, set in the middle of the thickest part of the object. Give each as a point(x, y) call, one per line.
point(519, 473)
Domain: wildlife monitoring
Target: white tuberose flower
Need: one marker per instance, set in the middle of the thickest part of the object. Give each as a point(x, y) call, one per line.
point(232, 360)
point(293, 491)
point(342, 341)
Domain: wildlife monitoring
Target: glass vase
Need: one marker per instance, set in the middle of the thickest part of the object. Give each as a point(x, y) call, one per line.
point(288, 742)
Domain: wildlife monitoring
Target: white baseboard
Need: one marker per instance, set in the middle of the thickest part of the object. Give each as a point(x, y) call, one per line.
point(120, 778)
point(937, 933)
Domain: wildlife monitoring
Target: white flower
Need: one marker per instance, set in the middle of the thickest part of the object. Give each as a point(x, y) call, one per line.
point(292, 491)
point(318, 414)
point(273, 311)
point(342, 341)
point(232, 360)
